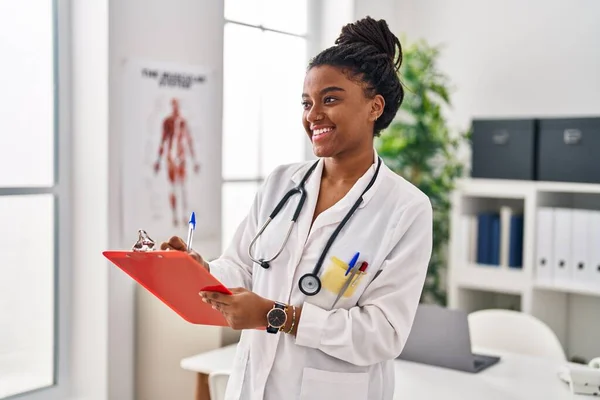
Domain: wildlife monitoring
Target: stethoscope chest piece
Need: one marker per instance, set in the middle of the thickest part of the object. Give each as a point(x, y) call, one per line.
point(309, 284)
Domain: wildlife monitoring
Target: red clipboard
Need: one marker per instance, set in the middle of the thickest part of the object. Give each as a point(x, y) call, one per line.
point(176, 279)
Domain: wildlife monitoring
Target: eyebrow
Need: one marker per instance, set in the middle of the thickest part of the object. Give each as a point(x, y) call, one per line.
point(327, 90)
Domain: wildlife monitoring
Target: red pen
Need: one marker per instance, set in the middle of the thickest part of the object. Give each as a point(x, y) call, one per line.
point(362, 269)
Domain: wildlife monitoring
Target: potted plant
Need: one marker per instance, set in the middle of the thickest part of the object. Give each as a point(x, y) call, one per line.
point(420, 146)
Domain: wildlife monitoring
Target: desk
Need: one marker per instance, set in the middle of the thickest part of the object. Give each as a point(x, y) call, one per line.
point(515, 377)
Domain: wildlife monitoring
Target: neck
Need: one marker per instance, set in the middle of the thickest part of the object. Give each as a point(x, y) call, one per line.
point(347, 169)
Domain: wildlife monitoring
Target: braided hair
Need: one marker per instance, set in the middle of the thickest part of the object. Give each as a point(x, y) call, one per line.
point(366, 50)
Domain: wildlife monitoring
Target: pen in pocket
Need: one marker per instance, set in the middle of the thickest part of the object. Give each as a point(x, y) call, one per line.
point(352, 263)
point(361, 271)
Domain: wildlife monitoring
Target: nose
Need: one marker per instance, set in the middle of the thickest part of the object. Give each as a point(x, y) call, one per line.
point(314, 114)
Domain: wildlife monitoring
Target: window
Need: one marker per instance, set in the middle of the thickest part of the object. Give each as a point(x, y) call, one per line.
point(265, 56)
point(32, 193)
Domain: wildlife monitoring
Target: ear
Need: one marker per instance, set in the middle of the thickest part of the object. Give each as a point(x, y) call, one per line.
point(377, 106)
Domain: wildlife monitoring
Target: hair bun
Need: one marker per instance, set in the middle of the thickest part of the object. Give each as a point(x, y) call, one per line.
point(372, 32)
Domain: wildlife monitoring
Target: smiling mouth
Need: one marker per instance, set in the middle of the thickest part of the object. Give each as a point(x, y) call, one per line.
point(319, 133)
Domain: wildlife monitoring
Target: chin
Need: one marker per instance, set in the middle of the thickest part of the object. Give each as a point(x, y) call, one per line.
point(323, 152)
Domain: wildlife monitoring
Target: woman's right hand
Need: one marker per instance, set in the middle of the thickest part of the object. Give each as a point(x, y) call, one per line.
point(177, 243)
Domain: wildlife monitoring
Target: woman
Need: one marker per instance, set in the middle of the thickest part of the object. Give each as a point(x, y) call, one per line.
point(316, 346)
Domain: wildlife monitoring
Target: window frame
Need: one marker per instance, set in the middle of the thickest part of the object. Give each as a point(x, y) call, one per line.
point(259, 179)
point(312, 37)
point(61, 192)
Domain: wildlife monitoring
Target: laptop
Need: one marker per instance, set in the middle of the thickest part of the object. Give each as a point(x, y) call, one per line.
point(440, 337)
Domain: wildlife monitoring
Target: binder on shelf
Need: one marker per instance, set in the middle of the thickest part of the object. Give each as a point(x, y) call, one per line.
point(511, 237)
point(563, 264)
point(594, 270)
point(472, 239)
point(505, 234)
point(515, 255)
point(495, 240)
point(483, 238)
point(544, 254)
point(469, 235)
point(580, 245)
point(488, 238)
point(500, 238)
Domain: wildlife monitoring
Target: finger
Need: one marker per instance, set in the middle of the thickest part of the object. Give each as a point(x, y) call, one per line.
point(177, 243)
point(216, 305)
point(216, 296)
point(224, 308)
point(165, 246)
point(238, 290)
point(213, 301)
point(210, 295)
point(196, 256)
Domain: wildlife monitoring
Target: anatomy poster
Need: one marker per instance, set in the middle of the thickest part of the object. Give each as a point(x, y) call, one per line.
point(170, 151)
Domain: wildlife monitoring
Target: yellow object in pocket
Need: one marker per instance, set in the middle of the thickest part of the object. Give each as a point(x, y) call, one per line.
point(334, 277)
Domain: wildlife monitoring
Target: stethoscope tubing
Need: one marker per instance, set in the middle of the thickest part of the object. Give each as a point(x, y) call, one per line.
point(341, 225)
point(300, 189)
point(311, 279)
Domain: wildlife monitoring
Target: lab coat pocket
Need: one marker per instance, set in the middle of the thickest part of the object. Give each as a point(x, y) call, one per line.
point(334, 277)
point(326, 385)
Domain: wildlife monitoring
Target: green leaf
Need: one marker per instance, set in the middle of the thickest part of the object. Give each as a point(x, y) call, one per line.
point(420, 146)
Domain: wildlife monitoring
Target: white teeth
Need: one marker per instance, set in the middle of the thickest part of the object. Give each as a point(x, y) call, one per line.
point(321, 131)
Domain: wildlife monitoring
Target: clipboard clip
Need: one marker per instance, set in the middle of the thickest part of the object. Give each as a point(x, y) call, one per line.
point(144, 242)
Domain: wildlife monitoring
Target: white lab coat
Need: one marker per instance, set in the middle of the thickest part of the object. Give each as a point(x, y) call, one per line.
point(347, 352)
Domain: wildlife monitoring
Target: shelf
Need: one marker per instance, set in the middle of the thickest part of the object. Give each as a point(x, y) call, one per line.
point(567, 187)
point(569, 309)
point(493, 278)
point(574, 288)
point(510, 189)
point(519, 188)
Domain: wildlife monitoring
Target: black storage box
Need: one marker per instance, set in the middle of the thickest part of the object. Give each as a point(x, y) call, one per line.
point(504, 149)
point(569, 150)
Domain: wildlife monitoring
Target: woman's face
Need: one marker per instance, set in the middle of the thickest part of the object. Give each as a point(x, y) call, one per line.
point(338, 117)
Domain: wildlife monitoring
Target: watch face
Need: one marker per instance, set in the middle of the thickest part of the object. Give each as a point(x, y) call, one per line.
point(276, 317)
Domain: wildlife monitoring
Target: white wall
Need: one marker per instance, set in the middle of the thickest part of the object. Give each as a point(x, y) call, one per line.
point(101, 340)
point(174, 31)
point(89, 348)
point(379, 9)
point(335, 14)
point(512, 58)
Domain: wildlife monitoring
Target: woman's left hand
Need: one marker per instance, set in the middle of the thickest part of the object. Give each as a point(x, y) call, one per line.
point(243, 309)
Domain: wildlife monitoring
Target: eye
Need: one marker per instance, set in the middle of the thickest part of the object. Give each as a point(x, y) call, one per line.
point(329, 100)
point(305, 104)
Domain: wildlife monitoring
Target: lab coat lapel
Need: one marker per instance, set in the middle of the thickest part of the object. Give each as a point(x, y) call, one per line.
point(312, 194)
point(338, 211)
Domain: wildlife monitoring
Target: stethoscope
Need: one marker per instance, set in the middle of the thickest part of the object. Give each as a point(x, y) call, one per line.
point(310, 283)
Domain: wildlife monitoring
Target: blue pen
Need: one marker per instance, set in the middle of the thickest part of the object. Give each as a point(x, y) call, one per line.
point(191, 228)
point(352, 263)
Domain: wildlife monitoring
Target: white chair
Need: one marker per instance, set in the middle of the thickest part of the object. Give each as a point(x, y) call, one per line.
point(514, 332)
point(217, 384)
